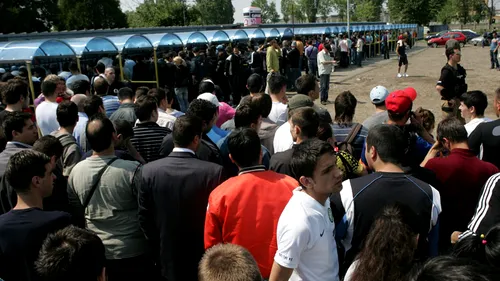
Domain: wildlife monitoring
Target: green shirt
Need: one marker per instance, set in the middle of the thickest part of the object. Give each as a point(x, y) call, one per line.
point(272, 59)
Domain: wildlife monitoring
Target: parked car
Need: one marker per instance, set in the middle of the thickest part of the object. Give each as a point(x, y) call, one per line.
point(468, 33)
point(479, 41)
point(440, 41)
point(436, 35)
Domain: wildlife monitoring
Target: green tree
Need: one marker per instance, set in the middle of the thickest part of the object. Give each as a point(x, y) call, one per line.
point(269, 12)
point(414, 11)
point(325, 8)
point(463, 10)
point(291, 11)
point(28, 15)
point(273, 16)
point(310, 9)
point(90, 14)
point(163, 13)
point(480, 11)
point(447, 13)
point(215, 11)
point(366, 11)
point(341, 7)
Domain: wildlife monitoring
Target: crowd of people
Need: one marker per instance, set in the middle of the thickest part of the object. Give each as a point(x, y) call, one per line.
point(114, 183)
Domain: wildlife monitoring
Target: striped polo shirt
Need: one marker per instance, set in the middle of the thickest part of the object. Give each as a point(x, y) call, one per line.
point(147, 139)
point(111, 104)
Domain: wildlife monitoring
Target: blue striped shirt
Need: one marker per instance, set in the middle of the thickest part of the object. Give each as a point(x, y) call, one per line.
point(111, 104)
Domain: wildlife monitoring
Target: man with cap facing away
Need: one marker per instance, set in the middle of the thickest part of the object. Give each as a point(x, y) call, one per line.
point(377, 96)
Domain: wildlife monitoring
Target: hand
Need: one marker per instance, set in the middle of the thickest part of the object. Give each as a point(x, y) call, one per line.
point(454, 236)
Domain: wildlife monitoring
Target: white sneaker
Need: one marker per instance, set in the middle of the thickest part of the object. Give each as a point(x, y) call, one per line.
point(405, 75)
point(399, 75)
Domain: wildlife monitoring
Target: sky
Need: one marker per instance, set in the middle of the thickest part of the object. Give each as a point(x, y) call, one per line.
point(238, 6)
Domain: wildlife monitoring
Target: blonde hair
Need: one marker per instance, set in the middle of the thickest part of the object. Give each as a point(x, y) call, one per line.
point(228, 262)
point(179, 61)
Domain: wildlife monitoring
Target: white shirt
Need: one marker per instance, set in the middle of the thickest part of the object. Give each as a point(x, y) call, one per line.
point(180, 149)
point(344, 47)
point(305, 239)
point(279, 113)
point(71, 80)
point(471, 126)
point(165, 120)
point(351, 270)
point(46, 117)
point(283, 138)
point(324, 56)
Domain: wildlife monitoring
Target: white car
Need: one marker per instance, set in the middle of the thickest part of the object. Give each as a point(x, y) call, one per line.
point(477, 41)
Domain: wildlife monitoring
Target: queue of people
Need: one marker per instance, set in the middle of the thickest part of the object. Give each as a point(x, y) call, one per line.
point(128, 185)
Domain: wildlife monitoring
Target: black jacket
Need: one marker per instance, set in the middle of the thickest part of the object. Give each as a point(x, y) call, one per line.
point(172, 206)
point(207, 150)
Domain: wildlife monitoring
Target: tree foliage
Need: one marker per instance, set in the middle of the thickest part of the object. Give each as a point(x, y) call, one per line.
point(447, 13)
point(269, 12)
point(28, 15)
point(310, 9)
point(90, 14)
point(366, 11)
point(325, 9)
point(215, 11)
point(414, 11)
point(164, 13)
point(292, 11)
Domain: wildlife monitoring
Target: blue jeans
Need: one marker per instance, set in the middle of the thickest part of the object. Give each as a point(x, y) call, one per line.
point(293, 75)
point(359, 58)
point(353, 55)
point(494, 59)
point(313, 67)
point(324, 86)
point(182, 97)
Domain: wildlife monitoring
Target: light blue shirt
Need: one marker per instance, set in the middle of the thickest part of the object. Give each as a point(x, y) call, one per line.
point(494, 43)
point(79, 131)
point(111, 104)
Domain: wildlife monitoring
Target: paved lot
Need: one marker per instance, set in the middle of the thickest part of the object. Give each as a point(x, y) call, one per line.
point(424, 70)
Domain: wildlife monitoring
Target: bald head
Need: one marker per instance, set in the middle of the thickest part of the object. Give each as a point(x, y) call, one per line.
point(79, 100)
point(100, 133)
point(110, 75)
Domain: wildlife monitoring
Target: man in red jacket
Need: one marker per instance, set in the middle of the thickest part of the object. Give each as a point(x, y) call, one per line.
point(245, 209)
point(461, 176)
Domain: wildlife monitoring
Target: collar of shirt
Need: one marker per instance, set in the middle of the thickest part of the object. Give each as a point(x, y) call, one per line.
point(258, 168)
point(146, 124)
point(127, 105)
point(161, 110)
point(82, 115)
point(186, 150)
point(16, 143)
point(463, 152)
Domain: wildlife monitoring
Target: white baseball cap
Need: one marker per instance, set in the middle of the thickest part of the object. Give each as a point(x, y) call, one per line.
point(378, 94)
point(209, 97)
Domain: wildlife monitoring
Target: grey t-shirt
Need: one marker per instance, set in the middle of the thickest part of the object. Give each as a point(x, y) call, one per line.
point(376, 119)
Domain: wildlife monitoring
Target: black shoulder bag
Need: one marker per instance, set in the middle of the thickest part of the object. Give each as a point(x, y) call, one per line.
point(96, 184)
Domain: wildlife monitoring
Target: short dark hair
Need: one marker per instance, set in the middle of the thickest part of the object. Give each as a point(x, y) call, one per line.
point(141, 91)
point(228, 262)
point(185, 129)
point(13, 90)
point(100, 67)
point(23, 166)
point(159, 94)
point(452, 129)
point(169, 95)
point(67, 114)
point(447, 268)
point(14, 121)
point(244, 147)
point(126, 93)
point(73, 66)
point(307, 120)
point(255, 83)
point(80, 87)
point(101, 86)
point(305, 84)
point(345, 106)
point(306, 155)
point(144, 107)
point(206, 87)
point(264, 103)
point(49, 145)
point(124, 128)
point(92, 104)
point(71, 253)
point(476, 99)
point(49, 85)
point(202, 109)
point(472, 247)
point(246, 115)
point(276, 83)
point(389, 141)
point(99, 132)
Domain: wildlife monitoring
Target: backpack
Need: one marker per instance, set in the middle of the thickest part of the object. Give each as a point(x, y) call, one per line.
point(347, 147)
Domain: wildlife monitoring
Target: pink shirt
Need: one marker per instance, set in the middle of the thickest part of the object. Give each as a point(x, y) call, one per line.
point(226, 112)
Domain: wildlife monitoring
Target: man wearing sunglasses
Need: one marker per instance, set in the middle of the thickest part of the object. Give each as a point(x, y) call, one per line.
point(451, 84)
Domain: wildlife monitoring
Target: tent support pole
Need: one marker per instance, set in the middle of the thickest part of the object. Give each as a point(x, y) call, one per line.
point(78, 63)
point(121, 67)
point(156, 68)
point(30, 81)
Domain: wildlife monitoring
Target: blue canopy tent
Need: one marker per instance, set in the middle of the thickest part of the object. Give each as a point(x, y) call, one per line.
point(286, 33)
point(27, 51)
point(356, 28)
point(192, 38)
point(343, 29)
point(320, 30)
point(334, 30)
point(237, 35)
point(161, 41)
point(134, 43)
point(255, 34)
point(271, 33)
point(91, 45)
point(216, 36)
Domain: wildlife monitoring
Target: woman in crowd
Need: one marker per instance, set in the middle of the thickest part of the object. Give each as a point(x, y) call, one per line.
point(482, 248)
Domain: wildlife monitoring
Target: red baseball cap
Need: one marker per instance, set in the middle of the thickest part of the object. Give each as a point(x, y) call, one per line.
point(400, 101)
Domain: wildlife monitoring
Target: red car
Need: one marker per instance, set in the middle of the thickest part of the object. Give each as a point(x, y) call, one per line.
point(441, 41)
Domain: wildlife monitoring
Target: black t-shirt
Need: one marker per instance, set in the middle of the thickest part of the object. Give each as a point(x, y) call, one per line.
point(22, 233)
point(280, 162)
point(453, 81)
point(488, 135)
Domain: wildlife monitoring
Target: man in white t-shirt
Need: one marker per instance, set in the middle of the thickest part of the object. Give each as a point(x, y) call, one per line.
point(277, 91)
point(307, 250)
point(46, 112)
point(472, 107)
point(75, 76)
